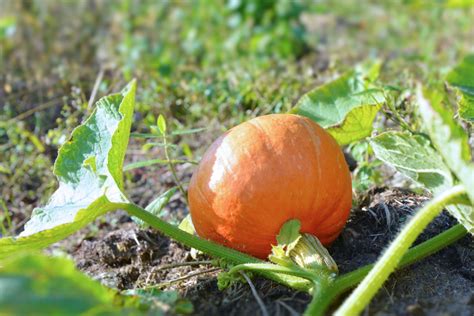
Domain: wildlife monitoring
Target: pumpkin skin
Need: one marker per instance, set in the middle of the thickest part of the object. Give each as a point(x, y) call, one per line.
point(264, 172)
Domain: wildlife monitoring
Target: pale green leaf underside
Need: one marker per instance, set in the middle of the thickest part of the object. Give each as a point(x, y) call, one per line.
point(462, 77)
point(451, 142)
point(346, 106)
point(89, 170)
point(413, 156)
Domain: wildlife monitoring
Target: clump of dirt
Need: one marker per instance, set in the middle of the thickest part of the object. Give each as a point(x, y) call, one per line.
point(126, 257)
point(123, 256)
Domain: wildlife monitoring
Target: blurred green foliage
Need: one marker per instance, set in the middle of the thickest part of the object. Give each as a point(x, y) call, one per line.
point(35, 284)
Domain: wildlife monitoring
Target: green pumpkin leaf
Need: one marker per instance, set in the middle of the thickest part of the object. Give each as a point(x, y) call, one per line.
point(462, 78)
point(345, 107)
point(414, 157)
point(451, 142)
point(89, 170)
point(35, 284)
point(38, 285)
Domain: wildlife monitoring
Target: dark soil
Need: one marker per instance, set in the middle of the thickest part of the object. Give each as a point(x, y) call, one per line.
point(120, 255)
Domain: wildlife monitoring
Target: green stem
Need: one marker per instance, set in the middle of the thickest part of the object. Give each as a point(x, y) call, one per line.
point(210, 247)
point(321, 298)
point(362, 295)
point(268, 267)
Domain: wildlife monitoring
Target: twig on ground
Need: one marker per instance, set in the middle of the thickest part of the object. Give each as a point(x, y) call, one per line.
point(169, 282)
point(288, 308)
point(40, 107)
point(255, 294)
point(182, 264)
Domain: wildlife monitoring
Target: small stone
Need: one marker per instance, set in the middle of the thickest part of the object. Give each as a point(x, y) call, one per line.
point(415, 310)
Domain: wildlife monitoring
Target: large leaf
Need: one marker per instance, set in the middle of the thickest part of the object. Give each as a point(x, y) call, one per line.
point(413, 156)
point(35, 284)
point(452, 143)
point(38, 285)
point(462, 77)
point(89, 170)
point(346, 107)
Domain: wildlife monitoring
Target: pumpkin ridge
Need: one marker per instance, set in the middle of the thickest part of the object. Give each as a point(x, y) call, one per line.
point(335, 206)
point(309, 129)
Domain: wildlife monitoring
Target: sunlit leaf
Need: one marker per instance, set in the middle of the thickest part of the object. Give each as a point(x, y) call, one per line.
point(459, 3)
point(161, 123)
point(89, 170)
point(462, 77)
point(357, 124)
point(345, 107)
point(187, 225)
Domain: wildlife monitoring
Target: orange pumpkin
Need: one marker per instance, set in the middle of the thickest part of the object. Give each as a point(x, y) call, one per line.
point(264, 172)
